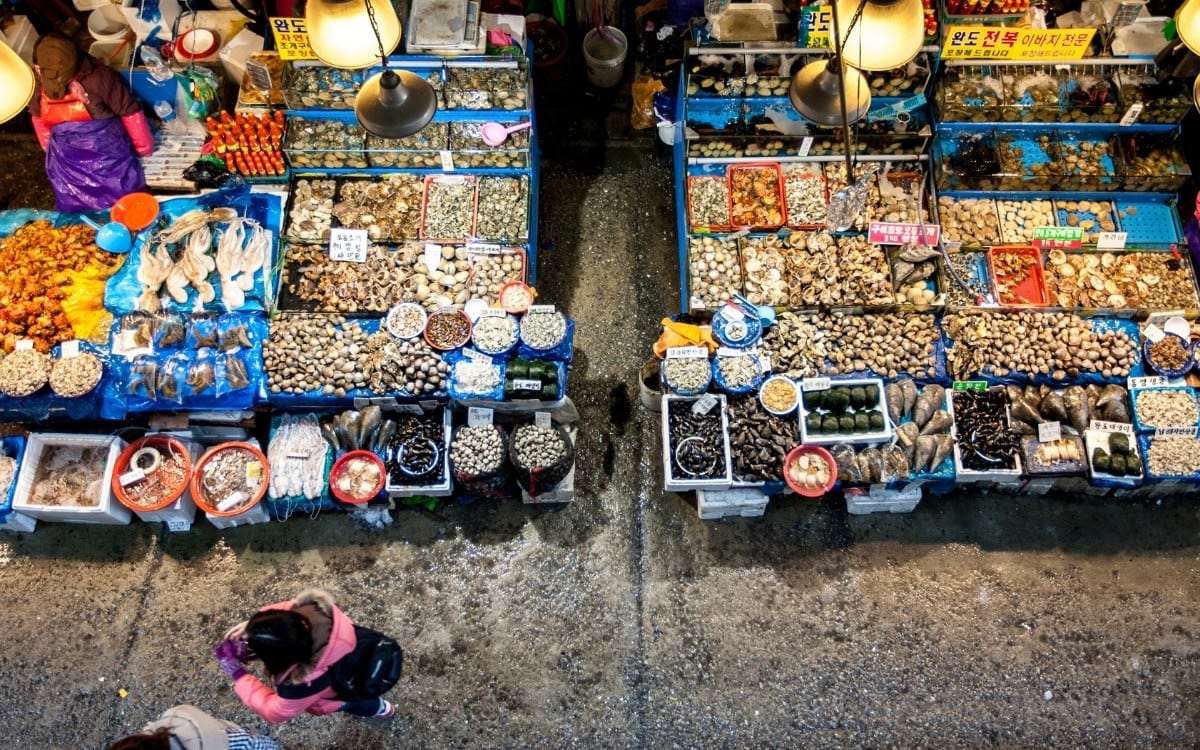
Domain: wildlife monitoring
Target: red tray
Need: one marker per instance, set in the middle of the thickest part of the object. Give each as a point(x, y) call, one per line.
point(1029, 291)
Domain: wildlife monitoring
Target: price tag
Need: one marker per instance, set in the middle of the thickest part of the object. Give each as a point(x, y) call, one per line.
point(133, 476)
point(1048, 432)
point(70, 348)
point(477, 356)
point(541, 309)
point(259, 74)
point(1149, 381)
point(479, 416)
point(447, 161)
point(765, 361)
point(348, 245)
point(687, 352)
point(254, 472)
point(542, 419)
point(704, 404)
point(1105, 426)
point(806, 145)
point(475, 250)
point(299, 455)
point(970, 385)
point(1111, 240)
point(733, 312)
point(1132, 114)
point(1189, 432)
point(729, 351)
point(492, 312)
point(433, 257)
point(1154, 333)
point(232, 501)
point(178, 524)
point(814, 384)
point(23, 345)
point(525, 384)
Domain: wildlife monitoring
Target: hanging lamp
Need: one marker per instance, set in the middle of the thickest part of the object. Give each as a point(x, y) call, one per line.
point(816, 93)
point(1187, 25)
point(338, 31)
point(882, 34)
point(1196, 93)
point(16, 83)
point(393, 104)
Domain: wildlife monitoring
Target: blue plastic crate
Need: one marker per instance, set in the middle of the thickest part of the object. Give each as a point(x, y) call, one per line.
point(1144, 443)
point(1137, 393)
point(14, 448)
point(1149, 224)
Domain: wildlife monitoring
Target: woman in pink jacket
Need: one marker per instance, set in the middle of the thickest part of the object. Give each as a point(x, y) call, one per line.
point(297, 641)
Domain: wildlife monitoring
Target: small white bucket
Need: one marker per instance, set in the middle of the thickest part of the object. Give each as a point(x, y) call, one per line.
point(605, 57)
point(107, 24)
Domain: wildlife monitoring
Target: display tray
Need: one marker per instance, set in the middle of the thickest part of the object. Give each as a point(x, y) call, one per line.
point(858, 394)
point(106, 509)
point(400, 485)
point(720, 477)
point(1149, 225)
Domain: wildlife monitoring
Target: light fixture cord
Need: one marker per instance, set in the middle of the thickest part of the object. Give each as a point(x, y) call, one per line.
point(379, 39)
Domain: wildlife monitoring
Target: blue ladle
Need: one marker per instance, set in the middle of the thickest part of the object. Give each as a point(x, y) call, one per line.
point(113, 237)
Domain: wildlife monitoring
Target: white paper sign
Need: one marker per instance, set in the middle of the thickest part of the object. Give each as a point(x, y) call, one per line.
point(1048, 432)
point(178, 524)
point(523, 384)
point(447, 161)
point(479, 416)
point(814, 384)
point(433, 257)
point(1106, 426)
point(1111, 240)
point(133, 476)
point(542, 419)
point(1175, 432)
point(1154, 333)
point(806, 145)
point(704, 404)
point(1132, 114)
point(70, 348)
point(23, 345)
point(492, 312)
point(477, 356)
point(540, 309)
point(1149, 381)
point(687, 352)
point(348, 244)
point(733, 313)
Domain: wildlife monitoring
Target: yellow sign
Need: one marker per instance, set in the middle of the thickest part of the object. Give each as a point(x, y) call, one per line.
point(291, 39)
point(993, 43)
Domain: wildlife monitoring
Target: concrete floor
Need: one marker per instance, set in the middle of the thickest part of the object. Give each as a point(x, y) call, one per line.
point(623, 621)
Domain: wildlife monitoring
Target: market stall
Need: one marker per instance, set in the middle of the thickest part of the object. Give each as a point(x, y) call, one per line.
point(989, 300)
point(350, 326)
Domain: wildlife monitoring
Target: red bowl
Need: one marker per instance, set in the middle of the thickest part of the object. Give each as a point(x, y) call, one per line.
point(339, 467)
point(135, 210)
point(809, 453)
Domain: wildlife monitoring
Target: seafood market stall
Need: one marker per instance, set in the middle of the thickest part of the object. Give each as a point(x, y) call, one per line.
point(1010, 305)
point(365, 335)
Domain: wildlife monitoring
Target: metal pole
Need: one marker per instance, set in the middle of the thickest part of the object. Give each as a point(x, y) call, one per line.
point(841, 73)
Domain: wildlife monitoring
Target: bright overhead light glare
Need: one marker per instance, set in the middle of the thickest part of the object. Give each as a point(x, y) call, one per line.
point(1187, 25)
point(395, 103)
point(888, 33)
point(816, 93)
point(339, 31)
point(16, 83)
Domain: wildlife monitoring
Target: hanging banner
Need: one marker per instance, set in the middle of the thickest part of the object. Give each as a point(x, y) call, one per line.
point(291, 39)
point(989, 42)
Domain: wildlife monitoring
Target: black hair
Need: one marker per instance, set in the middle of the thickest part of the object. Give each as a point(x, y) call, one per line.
point(160, 740)
point(280, 638)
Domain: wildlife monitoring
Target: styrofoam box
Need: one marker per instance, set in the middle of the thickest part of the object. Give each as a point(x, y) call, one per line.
point(967, 476)
point(257, 514)
point(18, 522)
point(746, 502)
point(880, 500)
point(443, 488)
point(670, 484)
point(107, 511)
point(179, 515)
point(563, 492)
point(874, 436)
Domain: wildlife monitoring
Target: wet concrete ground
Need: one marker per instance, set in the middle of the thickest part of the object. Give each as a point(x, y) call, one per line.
point(621, 620)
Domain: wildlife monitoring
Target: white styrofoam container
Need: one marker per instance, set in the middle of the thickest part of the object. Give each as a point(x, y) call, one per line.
point(674, 484)
point(106, 511)
point(18, 522)
point(563, 492)
point(963, 475)
point(874, 436)
point(257, 514)
point(445, 487)
point(179, 515)
point(746, 502)
point(883, 501)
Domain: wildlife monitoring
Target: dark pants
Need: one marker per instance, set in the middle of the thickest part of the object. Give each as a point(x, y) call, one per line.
point(366, 707)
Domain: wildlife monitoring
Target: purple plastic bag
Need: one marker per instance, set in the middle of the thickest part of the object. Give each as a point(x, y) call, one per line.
point(1191, 235)
point(91, 164)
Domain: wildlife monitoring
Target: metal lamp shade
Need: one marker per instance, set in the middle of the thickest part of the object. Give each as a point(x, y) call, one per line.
point(16, 83)
point(395, 103)
point(340, 34)
point(816, 93)
point(1187, 25)
point(887, 35)
point(1196, 93)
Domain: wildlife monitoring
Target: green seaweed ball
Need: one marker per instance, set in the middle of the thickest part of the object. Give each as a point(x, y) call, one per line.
point(872, 399)
point(1133, 465)
point(846, 423)
point(876, 419)
point(858, 397)
point(814, 399)
point(1101, 461)
point(813, 423)
point(862, 423)
point(837, 400)
point(1117, 465)
point(1118, 443)
point(829, 425)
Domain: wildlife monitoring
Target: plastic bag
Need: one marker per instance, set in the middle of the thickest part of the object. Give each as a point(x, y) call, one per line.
point(233, 333)
point(201, 92)
point(492, 483)
point(641, 116)
point(203, 332)
point(231, 373)
point(170, 331)
point(91, 164)
point(537, 479)
point(142, 388)
point(173, 378)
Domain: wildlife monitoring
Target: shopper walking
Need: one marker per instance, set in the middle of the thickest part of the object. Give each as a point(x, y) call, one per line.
point(316, 661)
point(189, 728)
